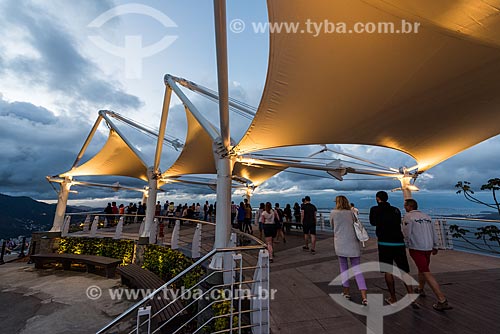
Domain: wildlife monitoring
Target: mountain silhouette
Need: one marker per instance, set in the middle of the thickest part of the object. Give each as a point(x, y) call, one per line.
point(23, 215)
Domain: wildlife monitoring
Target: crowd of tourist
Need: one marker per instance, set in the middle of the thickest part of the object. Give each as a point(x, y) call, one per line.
point(415, 231)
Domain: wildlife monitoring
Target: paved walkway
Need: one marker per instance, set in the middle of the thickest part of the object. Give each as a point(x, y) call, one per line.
point(43, 301)
point(303, 305)
point(54, 301)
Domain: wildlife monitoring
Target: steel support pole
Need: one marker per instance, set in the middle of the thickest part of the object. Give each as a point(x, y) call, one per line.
point(405, 183)
point(150, 206)
point(62, 201)
point(222, 145)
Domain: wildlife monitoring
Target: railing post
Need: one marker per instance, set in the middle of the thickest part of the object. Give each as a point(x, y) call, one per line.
point(152, 231)
point(234, 258)
point(174, 242)
point(93, 228)
point(196, 244)
point(86, 224)
point(240, 279)
point(65, 227)
point(4, 243)
point(23, 246)
point(31, 250)
point(261, 283)
point(447, 235)
point(228, 260)
point(143, 311)
point(322, 221)
point(141, 228)
point(119, 229)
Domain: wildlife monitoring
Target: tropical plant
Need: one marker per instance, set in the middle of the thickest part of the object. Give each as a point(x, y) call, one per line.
point(464, 187)
point(489, 233)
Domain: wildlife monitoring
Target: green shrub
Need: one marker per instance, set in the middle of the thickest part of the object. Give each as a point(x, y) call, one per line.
point(118, 249)
point(220, 308)
point(168, 263)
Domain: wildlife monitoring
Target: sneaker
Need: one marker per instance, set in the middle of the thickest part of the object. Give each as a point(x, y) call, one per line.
point(346, 296)
point(442, 306)
point(364, 302)
point(305, 248)
point(313, 251)
point(421, 292)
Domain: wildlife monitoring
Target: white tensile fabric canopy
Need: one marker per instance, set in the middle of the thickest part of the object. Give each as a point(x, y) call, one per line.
point(197, 157)
point(430, 94)
point(114, 158)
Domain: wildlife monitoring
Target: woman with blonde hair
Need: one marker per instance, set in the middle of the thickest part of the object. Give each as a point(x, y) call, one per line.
point(347, 246)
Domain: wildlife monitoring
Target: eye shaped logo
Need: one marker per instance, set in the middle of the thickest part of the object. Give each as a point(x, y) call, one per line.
point(375, 311)
point(132, 52)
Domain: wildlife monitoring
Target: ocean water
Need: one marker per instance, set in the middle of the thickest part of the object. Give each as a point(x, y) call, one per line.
point(464, 218)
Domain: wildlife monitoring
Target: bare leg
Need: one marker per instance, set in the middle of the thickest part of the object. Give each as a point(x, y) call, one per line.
point(389, 280)
point(313, 242)
point(429, 278)
point(269, 242)
point(421, 281)
point(306, 239)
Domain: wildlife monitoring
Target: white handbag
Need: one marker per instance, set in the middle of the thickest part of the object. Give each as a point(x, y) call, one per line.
point(360, 230)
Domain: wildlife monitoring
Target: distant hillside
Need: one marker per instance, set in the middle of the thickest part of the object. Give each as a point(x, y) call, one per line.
point(23, 215)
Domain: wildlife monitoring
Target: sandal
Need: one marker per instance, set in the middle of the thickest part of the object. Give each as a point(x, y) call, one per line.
point(364, 302)
point(442, 306)
point(388, 301)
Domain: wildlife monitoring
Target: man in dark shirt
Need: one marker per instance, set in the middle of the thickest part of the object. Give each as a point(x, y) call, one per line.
point(391, 245)
point(308, 218)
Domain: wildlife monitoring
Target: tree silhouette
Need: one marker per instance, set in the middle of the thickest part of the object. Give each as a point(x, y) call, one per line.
point(487, 233)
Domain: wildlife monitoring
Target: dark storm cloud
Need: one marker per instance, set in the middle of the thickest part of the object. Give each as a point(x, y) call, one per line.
point(476, 165)
point(36, 143)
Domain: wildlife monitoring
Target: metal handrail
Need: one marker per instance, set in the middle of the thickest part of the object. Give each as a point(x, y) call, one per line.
point(471, 219)
point(185, 271)
point(145, 299)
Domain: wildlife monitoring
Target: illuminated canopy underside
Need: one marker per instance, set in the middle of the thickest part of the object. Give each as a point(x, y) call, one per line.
point(115, 158)
point(197, 158)
point(430, 94)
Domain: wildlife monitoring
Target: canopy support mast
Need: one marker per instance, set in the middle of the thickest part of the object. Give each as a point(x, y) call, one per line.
point(222, 147)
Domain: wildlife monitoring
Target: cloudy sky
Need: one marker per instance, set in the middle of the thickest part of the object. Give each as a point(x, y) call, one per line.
point(54, 78)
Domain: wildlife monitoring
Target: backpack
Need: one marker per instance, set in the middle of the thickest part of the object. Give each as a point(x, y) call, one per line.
point(360, 230)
